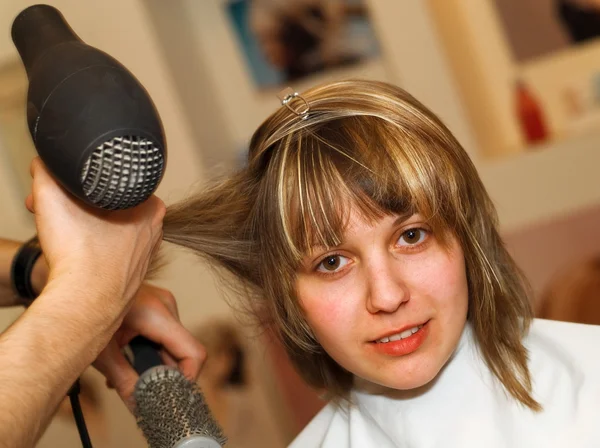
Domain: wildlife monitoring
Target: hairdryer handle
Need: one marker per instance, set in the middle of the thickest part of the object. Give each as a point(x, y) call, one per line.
point(144, 354)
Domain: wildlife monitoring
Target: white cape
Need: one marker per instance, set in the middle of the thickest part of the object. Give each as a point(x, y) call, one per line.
point(466, 407)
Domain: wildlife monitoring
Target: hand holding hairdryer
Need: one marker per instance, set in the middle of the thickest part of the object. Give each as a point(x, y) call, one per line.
point(99, 134)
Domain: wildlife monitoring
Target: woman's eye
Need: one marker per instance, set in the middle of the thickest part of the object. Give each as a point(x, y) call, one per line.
point(412, 237)
point(332, 263)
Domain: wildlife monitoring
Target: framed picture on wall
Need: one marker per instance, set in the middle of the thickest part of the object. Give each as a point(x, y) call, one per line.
point(536, 28)
point(286, 40)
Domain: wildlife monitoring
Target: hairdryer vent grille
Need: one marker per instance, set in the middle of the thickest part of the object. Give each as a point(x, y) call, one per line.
point(122, 172)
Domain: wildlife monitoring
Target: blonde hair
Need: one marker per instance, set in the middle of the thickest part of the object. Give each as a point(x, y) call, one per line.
point(373, 146)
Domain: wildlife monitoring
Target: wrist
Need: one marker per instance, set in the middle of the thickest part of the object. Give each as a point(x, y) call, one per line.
point(85, 291)
point(87, 309)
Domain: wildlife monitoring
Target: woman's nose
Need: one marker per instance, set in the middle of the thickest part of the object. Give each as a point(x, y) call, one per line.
point(387, 289)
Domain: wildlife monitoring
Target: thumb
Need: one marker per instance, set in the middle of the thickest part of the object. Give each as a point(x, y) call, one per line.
point(118, 372)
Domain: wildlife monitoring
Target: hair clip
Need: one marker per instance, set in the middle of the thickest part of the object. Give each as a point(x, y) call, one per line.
point(294, 102)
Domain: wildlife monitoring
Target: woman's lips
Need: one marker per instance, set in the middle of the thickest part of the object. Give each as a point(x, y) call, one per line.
point(404, 345)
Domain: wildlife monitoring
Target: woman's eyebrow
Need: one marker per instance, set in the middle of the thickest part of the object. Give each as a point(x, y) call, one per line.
point(405, 216)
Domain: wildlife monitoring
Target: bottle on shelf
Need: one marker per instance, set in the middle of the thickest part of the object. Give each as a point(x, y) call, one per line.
point(530, 114)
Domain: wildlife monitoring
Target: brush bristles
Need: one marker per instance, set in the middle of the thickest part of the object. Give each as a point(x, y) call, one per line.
point(170, 408)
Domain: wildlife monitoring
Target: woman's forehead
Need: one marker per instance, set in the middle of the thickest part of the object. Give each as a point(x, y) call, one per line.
point(357, 225)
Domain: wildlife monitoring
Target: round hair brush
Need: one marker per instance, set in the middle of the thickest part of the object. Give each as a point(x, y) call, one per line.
point(170, 409)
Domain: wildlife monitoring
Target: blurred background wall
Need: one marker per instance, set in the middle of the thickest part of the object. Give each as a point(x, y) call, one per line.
point(212, 92)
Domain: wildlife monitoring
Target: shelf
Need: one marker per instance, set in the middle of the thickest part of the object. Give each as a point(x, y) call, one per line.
point(550, 180)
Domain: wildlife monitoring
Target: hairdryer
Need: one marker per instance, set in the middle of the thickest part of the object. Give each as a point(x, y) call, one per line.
point(92, 123)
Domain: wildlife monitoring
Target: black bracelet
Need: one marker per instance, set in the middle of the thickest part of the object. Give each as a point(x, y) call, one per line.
point(22, 267)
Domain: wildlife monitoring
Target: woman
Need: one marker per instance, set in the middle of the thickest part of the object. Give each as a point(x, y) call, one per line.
point(362, 233)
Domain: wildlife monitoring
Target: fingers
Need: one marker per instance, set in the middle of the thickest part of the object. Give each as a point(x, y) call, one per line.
point(168, 300)
point(168, 359)
point(179, 349)
point(34, 166)
point(155, 248)
point(161, 210)
point(44, 186)
point(191, 356)
point(29, 203)
point(153, 315)
point(155, 208)
point(118, 372)
point(39, 172)
point(180, 345)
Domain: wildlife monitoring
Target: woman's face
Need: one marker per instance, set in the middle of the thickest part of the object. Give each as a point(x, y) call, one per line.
point(390, 303)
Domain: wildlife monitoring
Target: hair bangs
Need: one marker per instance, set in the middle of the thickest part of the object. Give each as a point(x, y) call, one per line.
point(363, 165)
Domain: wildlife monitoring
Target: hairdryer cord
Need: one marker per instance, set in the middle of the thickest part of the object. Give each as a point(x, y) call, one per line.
point(78, 414)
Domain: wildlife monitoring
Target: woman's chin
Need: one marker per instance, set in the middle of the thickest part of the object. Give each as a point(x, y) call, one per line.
point(400, 382)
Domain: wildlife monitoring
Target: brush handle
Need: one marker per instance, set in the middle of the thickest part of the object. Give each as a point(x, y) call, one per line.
point(145, 354)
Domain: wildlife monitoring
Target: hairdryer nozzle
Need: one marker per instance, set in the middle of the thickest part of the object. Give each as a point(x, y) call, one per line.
point(122, 172)
point(38, 28)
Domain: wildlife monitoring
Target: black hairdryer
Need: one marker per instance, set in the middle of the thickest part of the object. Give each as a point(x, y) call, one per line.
point(92, 123)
